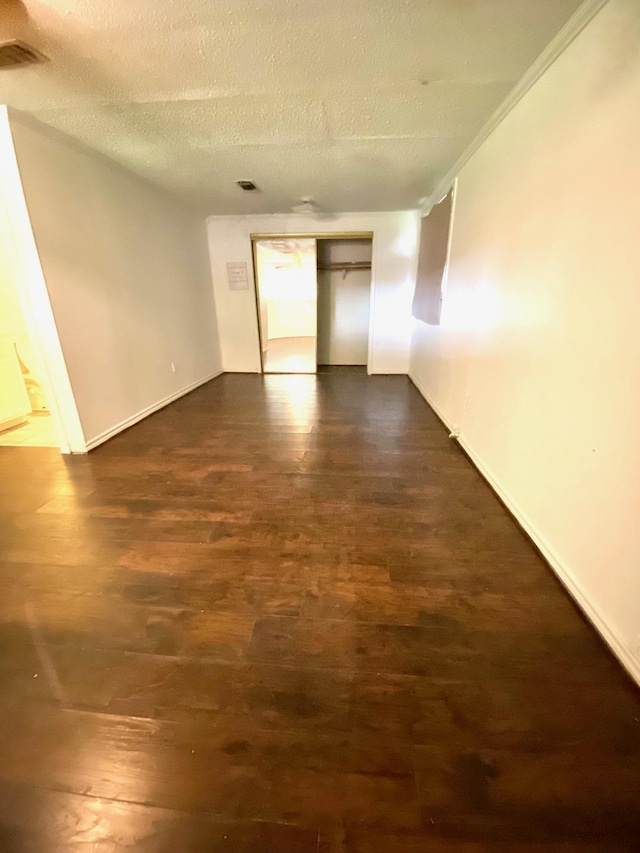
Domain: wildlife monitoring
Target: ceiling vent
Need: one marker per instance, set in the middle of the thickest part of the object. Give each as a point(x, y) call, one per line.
point(15, 53)
point(247, 186)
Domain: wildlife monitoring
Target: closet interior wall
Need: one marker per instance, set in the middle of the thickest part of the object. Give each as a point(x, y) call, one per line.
point(344, 300)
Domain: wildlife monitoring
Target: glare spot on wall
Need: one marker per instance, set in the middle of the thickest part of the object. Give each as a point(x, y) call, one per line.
point(474, 308)
point(406, 244)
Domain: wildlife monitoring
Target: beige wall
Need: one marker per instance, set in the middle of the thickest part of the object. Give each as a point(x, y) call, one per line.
point(127, 274)
point(537, 360)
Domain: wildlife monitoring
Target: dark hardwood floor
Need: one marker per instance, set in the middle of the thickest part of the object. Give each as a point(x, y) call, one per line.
point(286, 615)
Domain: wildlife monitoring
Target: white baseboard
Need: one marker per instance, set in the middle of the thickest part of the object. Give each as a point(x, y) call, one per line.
point(107, 434)
point(591, 610)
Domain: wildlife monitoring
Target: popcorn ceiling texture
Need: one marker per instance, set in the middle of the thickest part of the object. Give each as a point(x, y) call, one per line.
point(362, 105)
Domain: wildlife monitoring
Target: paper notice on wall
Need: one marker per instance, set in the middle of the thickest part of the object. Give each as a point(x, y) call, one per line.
point(237, 276)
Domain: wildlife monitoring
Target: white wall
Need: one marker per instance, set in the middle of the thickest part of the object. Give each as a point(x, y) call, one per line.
point(127, 272)
point(537, 360)
point(394, 264)
point(344, 302)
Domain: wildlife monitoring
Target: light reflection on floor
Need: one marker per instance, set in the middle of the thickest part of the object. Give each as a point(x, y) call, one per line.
point(292, 400)
point(290, 355)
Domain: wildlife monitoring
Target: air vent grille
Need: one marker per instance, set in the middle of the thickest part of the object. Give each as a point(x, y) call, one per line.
point(14, 53)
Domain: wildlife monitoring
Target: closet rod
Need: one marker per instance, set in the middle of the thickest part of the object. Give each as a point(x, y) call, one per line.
point(355, 265)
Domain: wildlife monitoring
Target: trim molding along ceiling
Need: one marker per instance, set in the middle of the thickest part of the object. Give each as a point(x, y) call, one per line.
point(560, 43)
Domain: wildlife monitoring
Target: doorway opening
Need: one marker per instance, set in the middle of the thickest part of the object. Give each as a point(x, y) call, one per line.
point(25, 418)
point(286, 289)
point(313, 298)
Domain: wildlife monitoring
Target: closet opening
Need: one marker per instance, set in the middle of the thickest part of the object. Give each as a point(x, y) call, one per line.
point(313, 300)
point(344, 302)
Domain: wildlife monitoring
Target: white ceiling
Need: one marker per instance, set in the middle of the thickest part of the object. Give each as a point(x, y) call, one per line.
point(360, 104)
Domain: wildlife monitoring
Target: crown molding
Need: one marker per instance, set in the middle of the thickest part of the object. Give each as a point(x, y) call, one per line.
point(571, 30)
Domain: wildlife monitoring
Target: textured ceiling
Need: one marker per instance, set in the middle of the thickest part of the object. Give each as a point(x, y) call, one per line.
point(360, 104)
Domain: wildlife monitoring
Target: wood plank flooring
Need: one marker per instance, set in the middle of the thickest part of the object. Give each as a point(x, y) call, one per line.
point(286, 615)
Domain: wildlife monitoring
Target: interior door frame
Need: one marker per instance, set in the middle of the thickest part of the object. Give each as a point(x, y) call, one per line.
point(299, 235)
